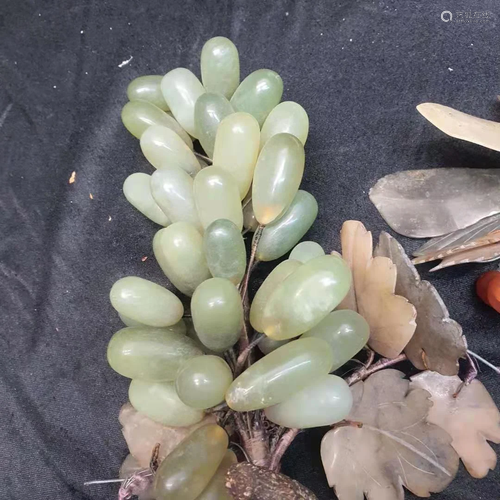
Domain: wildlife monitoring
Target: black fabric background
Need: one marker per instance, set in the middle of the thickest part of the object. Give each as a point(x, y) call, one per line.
point(358, 67)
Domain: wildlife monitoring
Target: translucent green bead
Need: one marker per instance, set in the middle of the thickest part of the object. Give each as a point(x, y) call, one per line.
point(179, 252)
point(159, 402)
point(258, 94)
point(325, 401)
point(288, 117)
point(277, 376)
point(153, 354)
point(146, 302)
point(347, 333)
point(220, 66)
point(131, 322)
point(217, 313)
point(217, 196)
point(306, 250)
point(277, 177)
point(249, 221)
point(193, 335)
point(172, 189)
point(209, 111)
point(216, 488)
point(138, 116)
point(283, 234)
point(147, 88)
point(303, 299)
point(137, 190)
point(181, 90)
point(277, 275)
point(186, 472)
point(225, 250)
point(202, 382)
point(179, 327)
point(163, 147)
point(237, 147)
point(267, 345)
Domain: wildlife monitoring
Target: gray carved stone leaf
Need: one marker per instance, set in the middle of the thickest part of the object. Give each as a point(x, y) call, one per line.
point(396, 446)
point(437, 343)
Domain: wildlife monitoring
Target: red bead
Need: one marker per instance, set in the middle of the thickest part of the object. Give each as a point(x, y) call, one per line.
point(483, 283)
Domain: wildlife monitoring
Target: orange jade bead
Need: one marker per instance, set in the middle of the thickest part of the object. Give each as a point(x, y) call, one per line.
point(488, 289)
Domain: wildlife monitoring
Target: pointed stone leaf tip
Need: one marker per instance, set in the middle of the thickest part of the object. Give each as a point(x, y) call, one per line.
point(391, 317)
point(394, 447)
point(461, 125)
point(438, 342)
point(472, 418)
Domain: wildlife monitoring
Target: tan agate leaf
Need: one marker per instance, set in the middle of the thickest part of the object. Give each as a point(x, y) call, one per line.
point(461, 125)
point(472, 418)
point(438, 342)
point(395, 447)
point(142, 434)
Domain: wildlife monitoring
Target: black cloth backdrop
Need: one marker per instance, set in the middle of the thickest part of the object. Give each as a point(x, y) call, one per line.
point(358, 67)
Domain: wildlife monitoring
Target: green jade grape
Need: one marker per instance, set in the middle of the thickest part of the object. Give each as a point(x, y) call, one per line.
point(138, 116)
point(277, 177)
point(163, 147)
point(216, 488)
point(279, 375)
point(153, 354)
point(217, 313)
point(146, 302)
point(137, 190)
point(267, 345)
point(217, 196)
point(210, 109)
point(305, 251)
point(159, 402)
point(181, 89)
point(187, 471)
point(172, 189)
point(220, 66)
point(258, 94)
point(202, 382)
point(325, 401)
point(237, 148)
point(305, 297)
point(288, 117)
point(179, 252)
point(131, 322)
point(192, 334)
point(225, 250)
point(347, 333)
point(179, 327)
point(147, 88)
point(283, 234)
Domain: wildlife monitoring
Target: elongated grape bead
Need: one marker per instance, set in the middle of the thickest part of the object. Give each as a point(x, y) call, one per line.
point(181, 89)
point(217, 196)
point(131, 322)
point(146, 302)
point(288, 117)
point(275, 277)
point(147, 88)
point(303, 299)
point(237, 148)
point(202, 381)
point(283, 234)
point(186, 472)
point(138, 116)
point(217, 313)
point(347, 333)
point(249, 221)
point(306, 250)
point(163, 147)
point(277, 376)
point(325, 401)
point(153, 354)
point(209, 111)
point(179, 327)
point(172, 189)
point(216, 488)
point(193, 335)
point(258, 94)
point(225, 250)
point(137, 190)
point(267, 345)
point(159, 401)
point(220, 66)
point(277, 177)
point(179, 252)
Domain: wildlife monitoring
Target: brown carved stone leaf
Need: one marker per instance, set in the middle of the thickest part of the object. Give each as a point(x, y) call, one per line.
point(396, 446)
point(471, 418)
